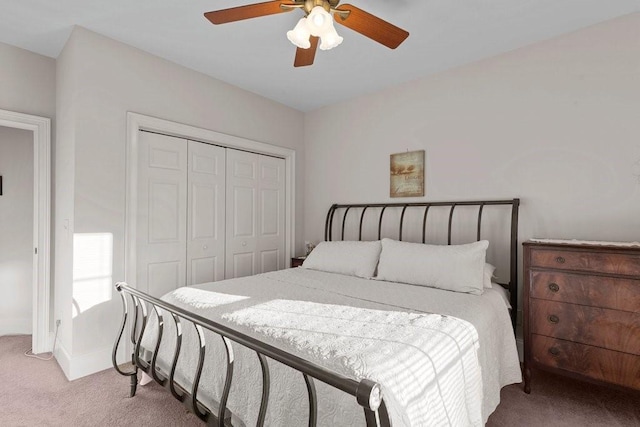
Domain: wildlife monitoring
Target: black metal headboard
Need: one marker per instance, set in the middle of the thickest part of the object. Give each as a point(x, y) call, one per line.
point(513, 244)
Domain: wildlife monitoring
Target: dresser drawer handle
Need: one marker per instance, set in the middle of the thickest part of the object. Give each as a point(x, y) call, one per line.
point(554, 351)
point(553, 318)
point(553, 287)
point(560, 260)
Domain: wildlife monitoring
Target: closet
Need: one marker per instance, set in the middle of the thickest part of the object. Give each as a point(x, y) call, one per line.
point(205, 213)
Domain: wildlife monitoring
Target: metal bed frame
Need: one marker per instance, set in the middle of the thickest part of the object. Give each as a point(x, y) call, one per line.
point(512, 286)
point(367, 393)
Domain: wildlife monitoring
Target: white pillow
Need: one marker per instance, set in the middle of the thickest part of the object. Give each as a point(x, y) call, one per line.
point(345, 257)
point(488, 275)
point(458, 268)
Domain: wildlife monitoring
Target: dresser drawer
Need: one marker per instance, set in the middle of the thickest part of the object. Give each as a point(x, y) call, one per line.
point(597, 363)
point(597, 291)
point(611, 329)
point(598, 262)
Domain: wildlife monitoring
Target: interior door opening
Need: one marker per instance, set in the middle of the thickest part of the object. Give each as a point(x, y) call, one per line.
point(16, 229)
point(33, 247)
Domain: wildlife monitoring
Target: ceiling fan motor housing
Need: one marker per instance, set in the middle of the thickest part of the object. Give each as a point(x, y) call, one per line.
point(325, 4)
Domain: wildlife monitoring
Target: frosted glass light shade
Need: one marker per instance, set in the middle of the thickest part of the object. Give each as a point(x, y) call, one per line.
point(319, 21)
point(299, 36)
point(330, 39)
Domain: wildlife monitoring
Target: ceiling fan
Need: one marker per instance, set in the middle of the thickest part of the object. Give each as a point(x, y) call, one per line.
point(317, 24)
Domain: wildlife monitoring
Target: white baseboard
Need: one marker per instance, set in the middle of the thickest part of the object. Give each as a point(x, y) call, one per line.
point(16, 326)
point(63, 358)
point(75, 367)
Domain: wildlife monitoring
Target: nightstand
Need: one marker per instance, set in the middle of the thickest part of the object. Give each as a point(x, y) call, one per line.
point(297, 261)
point(582, 311)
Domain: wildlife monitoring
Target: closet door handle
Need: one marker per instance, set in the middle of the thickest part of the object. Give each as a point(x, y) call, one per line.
point(244, 243)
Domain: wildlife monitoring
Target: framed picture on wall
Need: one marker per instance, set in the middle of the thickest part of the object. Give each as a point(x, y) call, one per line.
point(407, 174)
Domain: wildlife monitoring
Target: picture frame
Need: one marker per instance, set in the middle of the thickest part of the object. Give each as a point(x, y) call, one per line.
point(406, 174)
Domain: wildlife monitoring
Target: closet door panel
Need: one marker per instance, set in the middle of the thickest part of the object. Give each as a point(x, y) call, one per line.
point(163, 208)
point(270, 260)
point(242, 215)
point(206, 213)
point(244, 208)
point(271, 233)
point(205, 270)
point(161, 218)
point(243, 264)
point(163, 277)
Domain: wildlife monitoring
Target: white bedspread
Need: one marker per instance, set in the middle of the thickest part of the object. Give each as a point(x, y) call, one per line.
point(426, 364)
point(433, 369)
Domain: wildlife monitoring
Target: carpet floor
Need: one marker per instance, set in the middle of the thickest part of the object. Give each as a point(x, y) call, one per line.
point(36, 393)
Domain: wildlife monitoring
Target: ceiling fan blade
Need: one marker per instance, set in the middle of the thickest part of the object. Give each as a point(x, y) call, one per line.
point(305, 57)
point(371, 26)
point(245, 12)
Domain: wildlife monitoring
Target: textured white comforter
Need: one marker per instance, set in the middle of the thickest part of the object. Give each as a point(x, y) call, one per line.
point(433, 369)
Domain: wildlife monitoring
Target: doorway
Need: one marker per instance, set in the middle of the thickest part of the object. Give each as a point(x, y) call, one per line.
point(38, 136)
point(16, 231)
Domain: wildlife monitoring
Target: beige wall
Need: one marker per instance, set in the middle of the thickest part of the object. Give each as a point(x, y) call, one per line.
point(100, 80)
point(556, 124)
point(64, 184)
point(27, 82)
point(16, 231)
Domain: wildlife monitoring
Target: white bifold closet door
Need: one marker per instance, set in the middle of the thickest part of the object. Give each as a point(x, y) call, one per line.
point(180, 226)
point(255, 214)
point(205, 224)
point(162, 214)
point(205, 213)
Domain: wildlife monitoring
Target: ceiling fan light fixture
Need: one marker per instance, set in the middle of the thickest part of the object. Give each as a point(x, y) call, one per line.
point(299, 36)
point(319, 21)
point(316, 30)
point(330, 39)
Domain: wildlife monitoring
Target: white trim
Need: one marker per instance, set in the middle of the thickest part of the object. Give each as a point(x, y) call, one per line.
point(90, 363)
point(137, 122)
point(41, 128)
point(63, 358)
point(85, 364)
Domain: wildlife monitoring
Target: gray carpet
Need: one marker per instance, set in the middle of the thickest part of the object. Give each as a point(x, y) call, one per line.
point(560, 401)
point(36, 393)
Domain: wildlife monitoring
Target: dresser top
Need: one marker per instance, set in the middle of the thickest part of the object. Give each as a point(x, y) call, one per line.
point(585, 243)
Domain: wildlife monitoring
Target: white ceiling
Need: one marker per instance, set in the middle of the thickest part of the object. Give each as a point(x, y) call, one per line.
point(256, 55)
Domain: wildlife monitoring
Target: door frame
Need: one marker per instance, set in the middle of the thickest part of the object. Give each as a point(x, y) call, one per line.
point(137, 122)
point(41, 130)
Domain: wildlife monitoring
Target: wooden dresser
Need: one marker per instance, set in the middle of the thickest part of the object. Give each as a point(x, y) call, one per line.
point(582, 311)
point(297, 261)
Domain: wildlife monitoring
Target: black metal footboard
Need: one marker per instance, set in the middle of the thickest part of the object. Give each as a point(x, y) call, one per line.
point(367, 393)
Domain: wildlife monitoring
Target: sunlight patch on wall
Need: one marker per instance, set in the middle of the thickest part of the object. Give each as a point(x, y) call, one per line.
point(92, 270)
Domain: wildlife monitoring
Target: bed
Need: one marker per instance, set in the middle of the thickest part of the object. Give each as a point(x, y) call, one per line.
point(306, 346)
